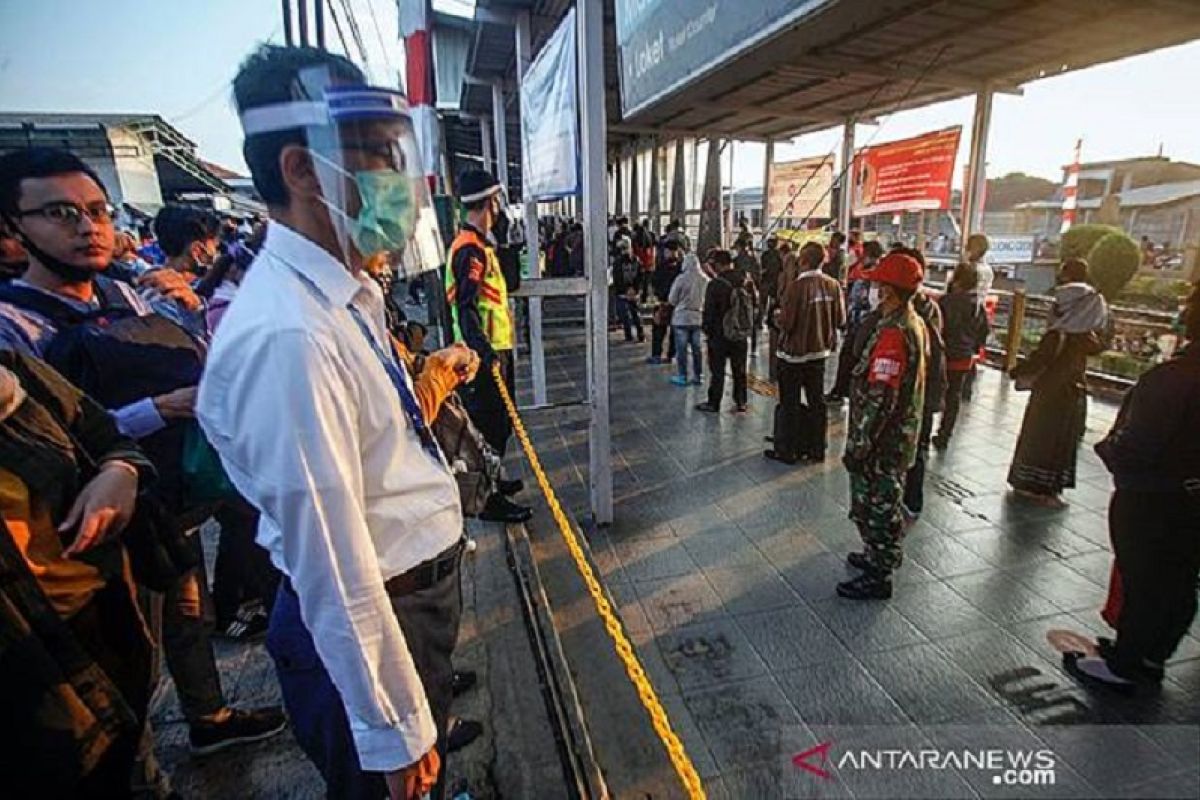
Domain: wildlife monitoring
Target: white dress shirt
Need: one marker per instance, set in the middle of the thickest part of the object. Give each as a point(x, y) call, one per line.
point(311, 431)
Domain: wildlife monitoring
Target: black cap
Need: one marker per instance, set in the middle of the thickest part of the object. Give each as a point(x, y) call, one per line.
point(476, 184)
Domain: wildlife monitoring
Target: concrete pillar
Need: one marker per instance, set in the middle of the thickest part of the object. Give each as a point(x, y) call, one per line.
point(619, 209)
point(710, 203)
point(485, 141)
point(679, 183)
point(500, 130)
point(846, 196)
point(654, 204)
point(973, 192)
point(768, 164)
point(635, 185)
point(590, 31)
point(537, 349)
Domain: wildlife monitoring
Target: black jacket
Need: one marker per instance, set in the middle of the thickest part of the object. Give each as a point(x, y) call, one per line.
point(665, 273)
point(965, 325)
point(625, 274)
point(1154, 446)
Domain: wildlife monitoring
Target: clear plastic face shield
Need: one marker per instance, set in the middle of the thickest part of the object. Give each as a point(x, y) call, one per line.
point(367, 162)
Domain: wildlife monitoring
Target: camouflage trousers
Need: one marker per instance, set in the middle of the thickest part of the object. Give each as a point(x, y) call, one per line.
point(875, 509)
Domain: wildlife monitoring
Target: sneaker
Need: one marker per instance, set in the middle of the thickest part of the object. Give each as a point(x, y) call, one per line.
point(708, 408)
point(868, 586)
point(697, 381)
point(834, 399)
point(240, 727)
point(910, 516)
point(653, 360)
point(679, 380)
point(857, 560)
point(249, 625)
point(739, 409)
point(941, 441)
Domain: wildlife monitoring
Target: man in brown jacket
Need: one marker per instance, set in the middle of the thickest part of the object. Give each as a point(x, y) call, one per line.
point(811, 311)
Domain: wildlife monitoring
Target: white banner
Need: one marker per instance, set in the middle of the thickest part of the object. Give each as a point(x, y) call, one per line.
point(1011, 249)
point(549, 125)
point(800, 189)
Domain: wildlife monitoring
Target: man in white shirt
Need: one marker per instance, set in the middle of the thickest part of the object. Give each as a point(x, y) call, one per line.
point(317, 425)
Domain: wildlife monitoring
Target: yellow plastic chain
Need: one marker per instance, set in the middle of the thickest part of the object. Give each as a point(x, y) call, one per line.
point(633, 668)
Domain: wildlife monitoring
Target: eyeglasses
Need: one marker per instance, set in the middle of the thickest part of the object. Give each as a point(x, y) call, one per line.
point(70, 214)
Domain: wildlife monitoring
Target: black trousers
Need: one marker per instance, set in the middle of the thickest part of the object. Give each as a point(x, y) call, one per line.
point(243, 570)
point(429, 620)
point(914, 480)
point(845, 366)
point(659, 333)
point(1156, 540)
point(955, 382)
point(722, 351)
point(486, 406)
point(802, 396)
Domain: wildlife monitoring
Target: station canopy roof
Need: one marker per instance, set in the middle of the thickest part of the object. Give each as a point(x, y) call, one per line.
point(854, 58)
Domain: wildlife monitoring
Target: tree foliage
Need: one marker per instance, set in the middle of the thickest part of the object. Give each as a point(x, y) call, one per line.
point(1080, 239)
point(1113, 261)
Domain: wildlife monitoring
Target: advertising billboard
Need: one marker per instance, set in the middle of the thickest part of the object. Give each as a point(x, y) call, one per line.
point(801, 189)
point(908, 175)
point(663, 45)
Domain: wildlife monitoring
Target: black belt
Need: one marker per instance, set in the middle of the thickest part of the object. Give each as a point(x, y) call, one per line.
point(427, 573)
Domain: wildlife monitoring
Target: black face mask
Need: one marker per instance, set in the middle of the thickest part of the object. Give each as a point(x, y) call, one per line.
point(68, 272)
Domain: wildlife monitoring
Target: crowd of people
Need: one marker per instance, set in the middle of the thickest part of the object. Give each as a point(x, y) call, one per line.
point(260, 373)
point(906, 356)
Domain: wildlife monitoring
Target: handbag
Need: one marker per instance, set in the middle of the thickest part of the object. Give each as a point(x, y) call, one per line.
point(475, 466)
point(1024, 380)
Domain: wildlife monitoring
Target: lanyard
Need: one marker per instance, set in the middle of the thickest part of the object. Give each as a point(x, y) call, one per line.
point(394, 368)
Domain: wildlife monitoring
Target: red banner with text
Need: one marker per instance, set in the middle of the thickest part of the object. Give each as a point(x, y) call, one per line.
point(908, 175)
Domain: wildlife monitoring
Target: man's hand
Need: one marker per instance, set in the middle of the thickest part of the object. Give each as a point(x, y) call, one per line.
point(457, 357)
point(179, 404)
point(173, 286)
point(103, 507)
point(416, 780)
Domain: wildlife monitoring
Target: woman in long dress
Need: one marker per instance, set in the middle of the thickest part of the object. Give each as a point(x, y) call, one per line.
point(1044, 462)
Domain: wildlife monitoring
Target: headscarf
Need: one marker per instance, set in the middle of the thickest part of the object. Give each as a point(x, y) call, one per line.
point(1078, 308)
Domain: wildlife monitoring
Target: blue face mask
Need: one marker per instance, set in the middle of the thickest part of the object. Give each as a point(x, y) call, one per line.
point(387, 217)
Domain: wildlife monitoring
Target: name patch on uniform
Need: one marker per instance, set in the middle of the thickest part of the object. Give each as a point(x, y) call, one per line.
point(888, 359)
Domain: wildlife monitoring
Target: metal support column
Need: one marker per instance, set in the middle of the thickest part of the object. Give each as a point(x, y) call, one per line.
point(302, 17)
point(635, 184)
point(319, 17)
point(499, 129)
point(537, 350)
point(846, 195)
point(590, 73)
point(288, 38)
point(768, 163)
point(485, 142)
point(973, 194)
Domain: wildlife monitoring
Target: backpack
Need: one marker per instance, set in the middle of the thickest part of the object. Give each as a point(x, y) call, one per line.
point(118, 357)
point(738, 322)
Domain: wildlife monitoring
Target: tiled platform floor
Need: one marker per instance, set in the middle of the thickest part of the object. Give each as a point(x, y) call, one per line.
point(724, 566)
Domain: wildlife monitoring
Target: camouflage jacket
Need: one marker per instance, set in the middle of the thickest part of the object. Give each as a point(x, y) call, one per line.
point(887, 396)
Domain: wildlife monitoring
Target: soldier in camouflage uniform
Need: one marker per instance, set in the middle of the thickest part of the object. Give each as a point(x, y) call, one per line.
point(886, 400)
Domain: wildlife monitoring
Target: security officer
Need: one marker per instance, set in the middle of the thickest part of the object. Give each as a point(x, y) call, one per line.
point(887, 397)
point(478, 298)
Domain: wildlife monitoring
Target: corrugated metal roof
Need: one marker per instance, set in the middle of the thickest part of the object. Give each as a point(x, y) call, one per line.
point(1159, 195)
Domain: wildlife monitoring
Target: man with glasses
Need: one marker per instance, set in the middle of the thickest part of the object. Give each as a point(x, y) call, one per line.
point(60, 212)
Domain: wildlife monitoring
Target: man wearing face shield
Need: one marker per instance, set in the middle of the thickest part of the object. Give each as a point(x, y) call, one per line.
point(319, 427)
point(478, 296)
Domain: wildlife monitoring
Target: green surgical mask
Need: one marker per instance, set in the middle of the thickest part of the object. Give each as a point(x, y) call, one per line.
point(388, 216)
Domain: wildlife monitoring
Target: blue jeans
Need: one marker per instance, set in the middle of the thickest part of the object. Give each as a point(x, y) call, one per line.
point(686, 335)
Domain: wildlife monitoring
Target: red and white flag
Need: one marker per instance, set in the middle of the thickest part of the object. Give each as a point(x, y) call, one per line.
point(1070, 190)
point(415, 17)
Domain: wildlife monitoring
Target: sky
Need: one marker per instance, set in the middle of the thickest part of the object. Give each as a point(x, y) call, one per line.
point(176, 58)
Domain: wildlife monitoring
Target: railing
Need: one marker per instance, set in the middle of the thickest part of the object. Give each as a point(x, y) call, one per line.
point(1141, 337)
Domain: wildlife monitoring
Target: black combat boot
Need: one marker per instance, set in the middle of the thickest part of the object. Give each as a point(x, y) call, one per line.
point(870, 585)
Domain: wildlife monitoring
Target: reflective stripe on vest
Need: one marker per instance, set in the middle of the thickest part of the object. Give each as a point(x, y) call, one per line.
point(492, 301)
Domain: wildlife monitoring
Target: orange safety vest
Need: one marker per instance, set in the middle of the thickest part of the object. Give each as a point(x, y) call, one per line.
point(493, 292)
